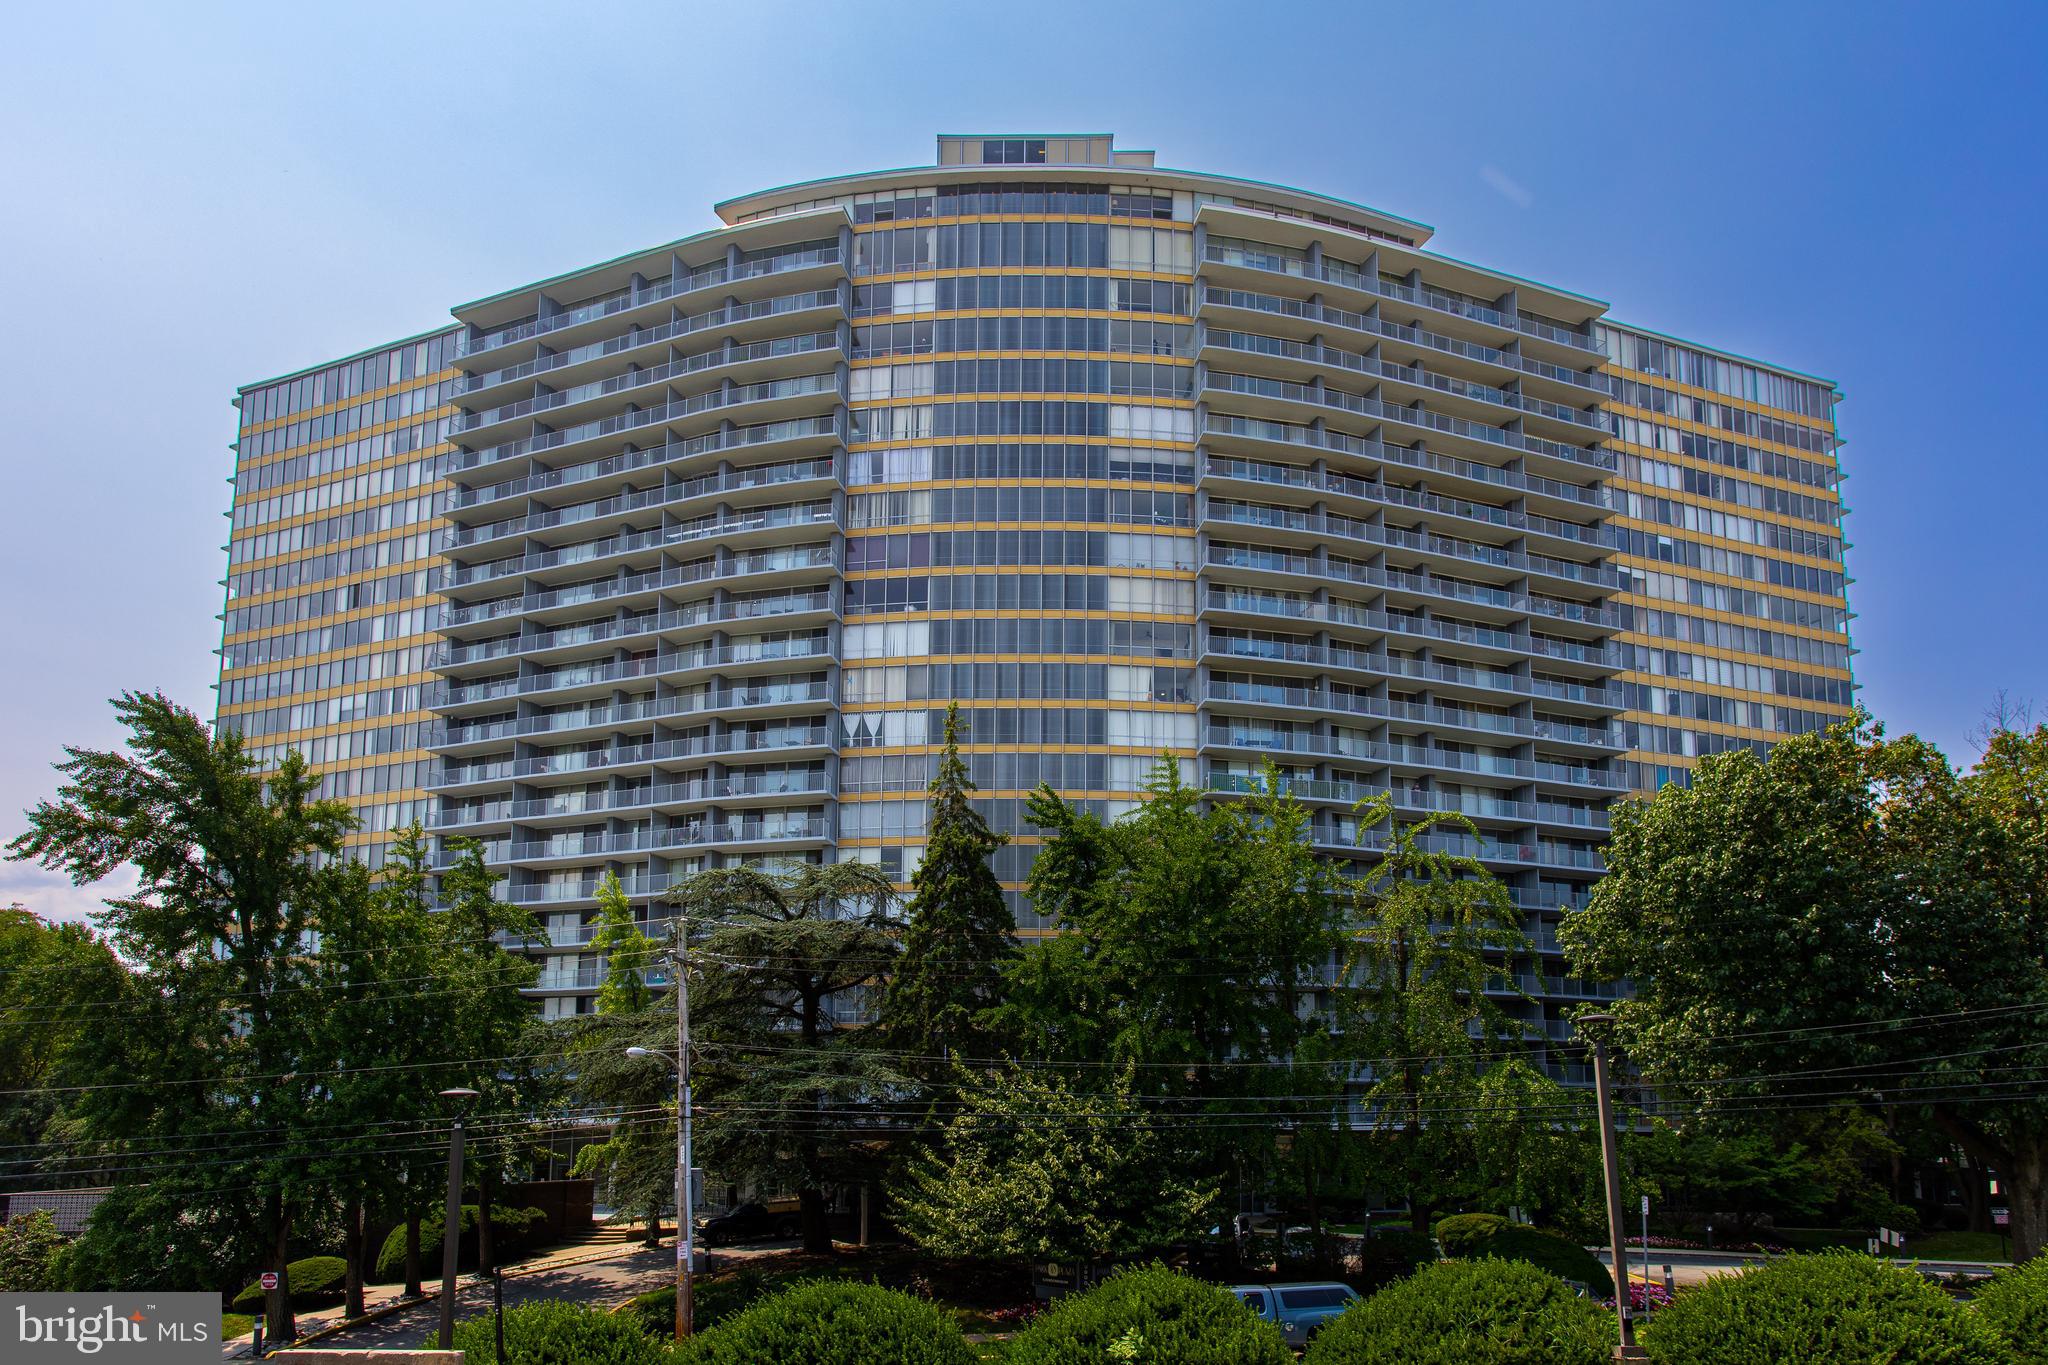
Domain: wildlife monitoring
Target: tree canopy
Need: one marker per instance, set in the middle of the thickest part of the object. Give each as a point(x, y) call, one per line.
point(1851, 921)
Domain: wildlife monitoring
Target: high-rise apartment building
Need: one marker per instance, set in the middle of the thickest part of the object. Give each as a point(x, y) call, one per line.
point(329, 618)
point(1124, 460)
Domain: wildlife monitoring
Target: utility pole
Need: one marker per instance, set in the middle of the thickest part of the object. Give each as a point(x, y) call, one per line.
point(1611, 1163)
point(451, 1226)
point(686, 1226)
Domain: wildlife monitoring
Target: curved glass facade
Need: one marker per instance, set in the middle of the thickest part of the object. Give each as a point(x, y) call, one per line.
point(1129, 463)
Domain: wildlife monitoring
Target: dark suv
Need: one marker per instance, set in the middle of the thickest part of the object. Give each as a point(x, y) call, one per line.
point(745, 1223)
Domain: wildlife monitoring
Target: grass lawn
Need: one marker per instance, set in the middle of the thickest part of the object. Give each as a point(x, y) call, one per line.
point(1959, 1246)
point(234, 1325)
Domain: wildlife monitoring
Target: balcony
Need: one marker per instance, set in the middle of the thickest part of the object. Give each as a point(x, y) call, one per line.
point(1248, 256)
point(1323, 527)
point(1316, 317)
point(1350, 793)
point(1253, 346)
point(1377, 752)
point(674, 413)
point(813, 431)
point(1306, 480)
point(1338, 656)
point(1258, 431)
point(1257, 559)
point(627, 300)
point(1325, 701)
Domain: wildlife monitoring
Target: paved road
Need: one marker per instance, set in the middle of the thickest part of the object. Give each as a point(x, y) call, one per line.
point(1691, 1267)
point(634, 1270)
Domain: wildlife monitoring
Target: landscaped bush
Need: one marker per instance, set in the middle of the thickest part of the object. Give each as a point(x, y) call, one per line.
point(1829, 1308)
point(315, 1282)
point(1463, 1235)
point(512, 1230)
point(1156, 1313)
point(831, 1322)
point(1461, 1312)
point(555, 1333)
point(2016, 1304)
point(1475, 1235)
point(1392, 1254)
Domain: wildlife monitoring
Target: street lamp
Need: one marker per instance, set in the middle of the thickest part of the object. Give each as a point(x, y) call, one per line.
point(451, 1227)
point(1610, 1162)
point(686, 1229)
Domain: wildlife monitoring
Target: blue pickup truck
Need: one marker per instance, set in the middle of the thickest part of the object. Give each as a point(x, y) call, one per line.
point(1297, 1309)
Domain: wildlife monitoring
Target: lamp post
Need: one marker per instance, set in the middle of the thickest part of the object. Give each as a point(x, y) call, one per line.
point(451, 1227)
point(686, 1227)
point(1611, 1164)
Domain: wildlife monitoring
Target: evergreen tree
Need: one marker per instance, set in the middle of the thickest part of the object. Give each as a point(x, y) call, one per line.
point(789, 1090)
point(635, 1165)
point(958, 933)
point(232, 866)
point(488, 1026)
point(1432, 933)
point(627, 952)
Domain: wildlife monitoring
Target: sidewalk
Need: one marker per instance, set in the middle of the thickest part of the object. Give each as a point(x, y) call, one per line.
point(601, 1243)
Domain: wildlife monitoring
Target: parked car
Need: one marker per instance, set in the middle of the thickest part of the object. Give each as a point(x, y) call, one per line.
point(746, 1223)
point(1298, 1309)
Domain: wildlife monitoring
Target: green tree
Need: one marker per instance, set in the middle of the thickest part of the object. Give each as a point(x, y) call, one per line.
point(488, 1023)
point(29, 1245)
point(1192, 936)
point(628, 953)
point(1034, 1168)
point(958, 932)
point(635, 1165)
point(1432, 932)
point(1781, 918)
point(54, 982)
point(790, 1092)
point(231, 863)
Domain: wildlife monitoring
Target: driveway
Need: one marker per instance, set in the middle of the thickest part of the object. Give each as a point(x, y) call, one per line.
point(602, 1283)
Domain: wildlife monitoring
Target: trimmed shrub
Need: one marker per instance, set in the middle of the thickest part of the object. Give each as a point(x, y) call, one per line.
point(1151, 1314)
point(1826, 1308)
point(315, 1282)
point(1392, 1254)
point(831, 1322)
point(1464, 1235)
point(2015, 1303)
point(1460, 1312)
point(1474, 1235)
point(551, 1332)
point(1554, 1252)
point(512, 1230)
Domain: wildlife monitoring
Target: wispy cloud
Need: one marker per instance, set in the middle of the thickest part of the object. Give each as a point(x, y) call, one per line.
point(51, 894)
point(1509, 188)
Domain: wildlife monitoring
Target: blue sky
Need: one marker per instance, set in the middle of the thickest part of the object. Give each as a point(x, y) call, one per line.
point(195, 197)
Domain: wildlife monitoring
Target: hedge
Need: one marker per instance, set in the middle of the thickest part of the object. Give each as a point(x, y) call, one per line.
point(830, 1322)
point(511, 1230)
point(1461, 1312)
point(1153, 1314)
point(2015, 1303)
point(314, 1282)
point(1474, 1235)
point(552, 1332)
point(1392, 1254)
point(1825, 1308)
